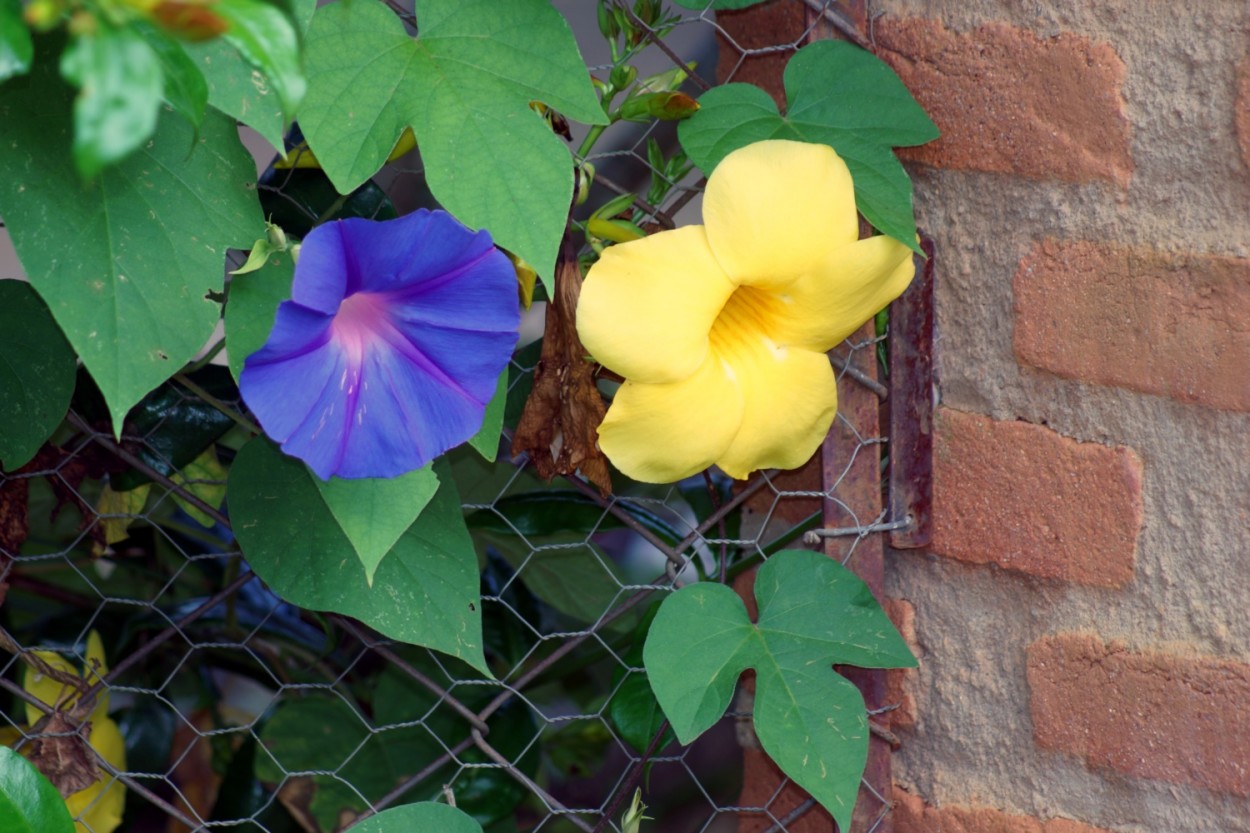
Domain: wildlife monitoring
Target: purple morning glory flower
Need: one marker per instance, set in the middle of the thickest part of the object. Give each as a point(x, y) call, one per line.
point(390, 346)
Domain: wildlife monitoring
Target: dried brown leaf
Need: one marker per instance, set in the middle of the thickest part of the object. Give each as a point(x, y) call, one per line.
point(63, 755)
point(559, 428)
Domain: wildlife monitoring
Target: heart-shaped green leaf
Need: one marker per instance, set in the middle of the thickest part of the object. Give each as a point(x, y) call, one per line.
point(37, 374)
point(185, 87)
point(266, 38)
point(238, 89)
point(427, 815)
point(16, 47)
point(424, 592)
point(374, 512)
point(813, 613)
point(251, 306)
point(837, 94)
point(125, 262)
point(486, 440)
point(464, 85)
point(28, 801)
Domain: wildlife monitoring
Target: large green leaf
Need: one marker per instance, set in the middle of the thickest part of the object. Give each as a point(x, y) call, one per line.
point(464, 86)
point(238, 89)
point(424, 592)
point(37, 372)
point(427, 815)
point(124, 262)
point(251, 306)
point(267, 39)
point(16, 47)
point(121, 84)
point(374, 512)
point(28, 801)
point(185, 87)
point(813, 614)
point(837, 94)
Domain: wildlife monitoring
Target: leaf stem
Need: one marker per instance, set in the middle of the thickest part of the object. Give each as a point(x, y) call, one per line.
point(217, 404)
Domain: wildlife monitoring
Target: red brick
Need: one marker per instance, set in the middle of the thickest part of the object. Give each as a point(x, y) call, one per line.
point(1152, 715)
point(1008, 101)
point(763, 27)
point(1241, 110)
point(912, 815)
point(898, 680)
point(1028, 499)
point(1175, 325)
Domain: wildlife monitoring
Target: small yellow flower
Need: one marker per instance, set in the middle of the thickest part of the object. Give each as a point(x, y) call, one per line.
point(721, 330)
point(98, 808)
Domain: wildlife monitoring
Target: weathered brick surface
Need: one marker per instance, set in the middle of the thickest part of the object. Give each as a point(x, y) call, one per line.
point(912, 815)
point(1008, 101)
point(1165, 324)
point(1026, 498)
point(1241, 112)
point(1153, 715)
point(765, 26)
point(898, 680)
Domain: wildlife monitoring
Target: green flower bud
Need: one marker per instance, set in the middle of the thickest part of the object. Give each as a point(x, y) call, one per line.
point(670, 106)
point(622, 76)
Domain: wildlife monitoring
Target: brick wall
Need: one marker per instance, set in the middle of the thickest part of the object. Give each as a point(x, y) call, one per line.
point(1081, 609)
point(1081, 614)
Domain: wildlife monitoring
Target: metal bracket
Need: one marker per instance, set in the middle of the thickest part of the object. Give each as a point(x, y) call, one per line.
point(911, 407)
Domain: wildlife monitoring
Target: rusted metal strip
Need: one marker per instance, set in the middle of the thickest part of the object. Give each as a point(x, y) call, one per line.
point(911, 407)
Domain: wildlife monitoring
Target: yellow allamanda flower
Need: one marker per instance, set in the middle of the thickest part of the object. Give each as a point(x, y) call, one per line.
point(720, 330)
point(98, 808)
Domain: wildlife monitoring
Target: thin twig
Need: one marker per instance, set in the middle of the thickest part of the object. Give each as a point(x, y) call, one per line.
point(163, 636)
point(632, 777)
point(24, 695)
point(136, 463)
point(402, 788)
point(845, 366)
point(216, 403)
point(655, 38)
point(658, 214)
point(412, 671)
point(526, 781)
point(793, 816)
point(613, 506)
point(839, 21)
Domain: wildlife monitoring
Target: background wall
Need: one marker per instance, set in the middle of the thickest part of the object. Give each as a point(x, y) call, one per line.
point(1082, 610)
point(1081, 616)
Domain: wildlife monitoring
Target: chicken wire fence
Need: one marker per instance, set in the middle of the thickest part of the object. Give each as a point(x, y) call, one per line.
point(242, 711)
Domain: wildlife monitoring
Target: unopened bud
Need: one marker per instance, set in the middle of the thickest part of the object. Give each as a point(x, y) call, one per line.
point(622, 76)
point(190, 21)
point(667, 81)
point(668, 106)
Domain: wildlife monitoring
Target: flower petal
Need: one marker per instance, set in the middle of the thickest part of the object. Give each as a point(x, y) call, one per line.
point(791, 399)
point(823, 307)
point(98, 808)
point(401, 367)
point(647, 306)
point(662, 433)
point(774, 209)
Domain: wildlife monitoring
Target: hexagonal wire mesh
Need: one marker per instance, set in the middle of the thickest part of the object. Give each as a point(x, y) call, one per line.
point(241, 710)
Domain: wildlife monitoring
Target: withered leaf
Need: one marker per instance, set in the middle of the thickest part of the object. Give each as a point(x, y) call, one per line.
point(559, 426)
point(63, 756)
point(14, 525)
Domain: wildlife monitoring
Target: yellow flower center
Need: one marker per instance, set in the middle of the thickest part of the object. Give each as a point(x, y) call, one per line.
point(747, 320)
